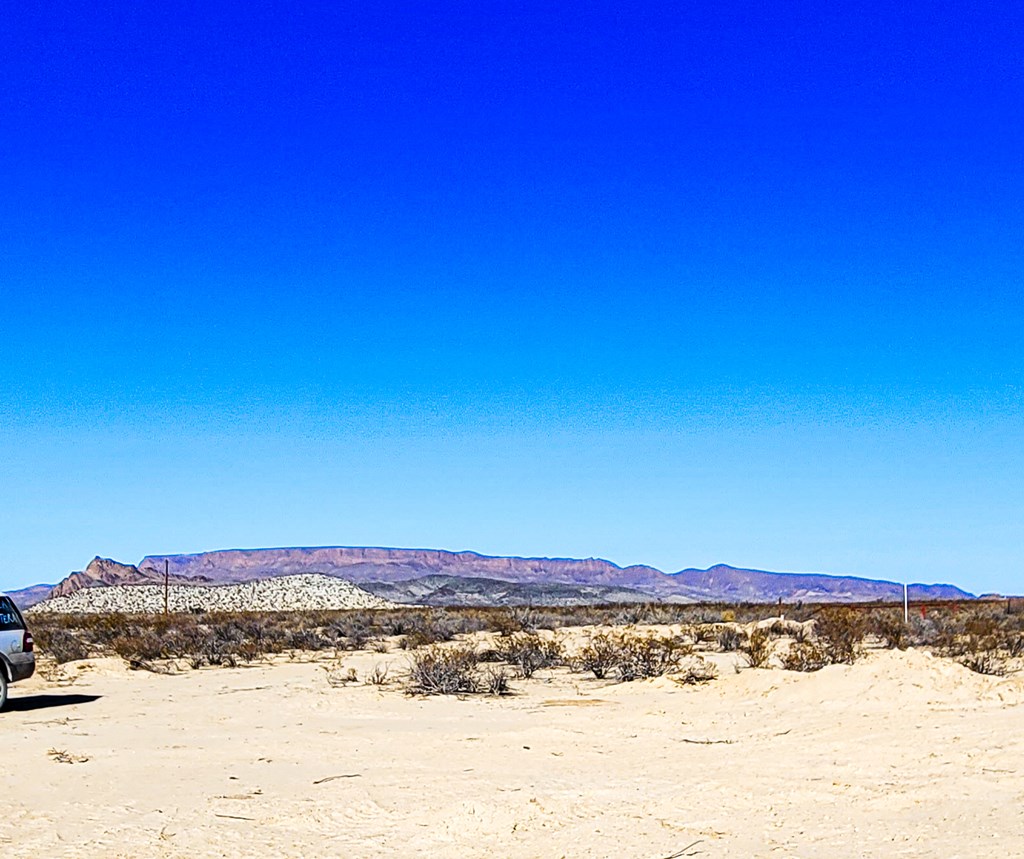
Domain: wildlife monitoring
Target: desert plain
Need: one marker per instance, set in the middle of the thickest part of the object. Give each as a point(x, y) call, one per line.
point(899, 754)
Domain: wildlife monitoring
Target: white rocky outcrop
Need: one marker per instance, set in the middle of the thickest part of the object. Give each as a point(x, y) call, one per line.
point(305, 592)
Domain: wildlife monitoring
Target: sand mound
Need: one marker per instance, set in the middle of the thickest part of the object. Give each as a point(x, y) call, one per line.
point(306, 592)
point(882, 680)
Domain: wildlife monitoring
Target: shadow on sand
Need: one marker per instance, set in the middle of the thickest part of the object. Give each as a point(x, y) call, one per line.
point(45, 702)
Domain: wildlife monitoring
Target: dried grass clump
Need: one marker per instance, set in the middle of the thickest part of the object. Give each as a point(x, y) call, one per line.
point(890, 628)
point(495, 680)
point(695, 670)
point(986, 663)
point(804, 656)
point(730, 639)
point(757, 652)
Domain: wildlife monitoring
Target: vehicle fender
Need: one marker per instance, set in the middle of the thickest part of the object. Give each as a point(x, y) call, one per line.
point(5, 664)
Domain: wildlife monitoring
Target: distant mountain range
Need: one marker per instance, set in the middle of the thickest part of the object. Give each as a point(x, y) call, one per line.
point(437, 577)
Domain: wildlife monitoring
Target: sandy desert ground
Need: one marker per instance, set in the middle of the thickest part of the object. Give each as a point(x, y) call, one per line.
point(901, 754)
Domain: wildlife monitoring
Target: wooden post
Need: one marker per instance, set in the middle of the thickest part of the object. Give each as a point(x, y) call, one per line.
point(906, 606)
point(167, 577)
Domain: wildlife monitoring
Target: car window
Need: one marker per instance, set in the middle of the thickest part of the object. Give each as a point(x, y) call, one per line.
point(9, 617)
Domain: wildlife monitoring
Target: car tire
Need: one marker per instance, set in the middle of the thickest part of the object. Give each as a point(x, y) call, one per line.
point(3, 687)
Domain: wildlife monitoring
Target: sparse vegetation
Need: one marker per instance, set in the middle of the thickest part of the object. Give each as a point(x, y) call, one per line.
point(985, 663)
point(439, 670)
point(730, 639)
point(524, 645)
point(528, 652)
point(890, 628)
point(694, 670)
point(598, 656)
point(804, 656)
point(378, 676)
point(757, 652)
point(839, 633)
point(645, 656)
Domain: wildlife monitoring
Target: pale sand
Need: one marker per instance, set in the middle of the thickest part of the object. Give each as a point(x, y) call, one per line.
point(901, 754)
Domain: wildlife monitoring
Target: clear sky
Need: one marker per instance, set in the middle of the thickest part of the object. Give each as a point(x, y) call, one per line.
point(676, 283)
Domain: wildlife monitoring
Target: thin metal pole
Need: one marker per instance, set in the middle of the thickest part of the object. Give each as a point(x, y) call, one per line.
point(906, 605)
point(167, 577)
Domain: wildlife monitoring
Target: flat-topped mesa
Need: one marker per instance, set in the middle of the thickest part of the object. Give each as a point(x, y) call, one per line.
point(388, 565)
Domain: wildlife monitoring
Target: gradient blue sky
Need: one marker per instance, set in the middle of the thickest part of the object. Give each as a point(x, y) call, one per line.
point(663, 283)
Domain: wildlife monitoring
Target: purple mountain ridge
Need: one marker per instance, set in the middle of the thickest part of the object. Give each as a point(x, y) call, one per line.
point(720, 583)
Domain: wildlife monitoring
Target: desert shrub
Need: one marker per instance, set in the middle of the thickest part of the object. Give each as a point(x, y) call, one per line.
point(801, 632)
point(985, 662)
point(703, 633)
point(983, 643)
point(630, 656)
point(444, 671)
point(981, 626)
point(939, 633)
point(729, 639)
point(839, 632)
point(306, 639)
point(139, 645)
point(804, 656)
point(249, 651)
point(180, 640)
point(62, 645)
point(890, 629)
point(1015, 644)
point(757, 652)
point(348, 633)
point(528, 652)
point(694, 670)
point(632, 615)
point(643, 656)
point(495, 680)
point(395, 623)
point(416, 638)
point(598, 655)
point(215, 651)
point(430, 628)
point(524, 617)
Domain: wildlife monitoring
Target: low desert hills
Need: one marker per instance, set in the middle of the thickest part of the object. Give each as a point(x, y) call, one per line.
point(435, 577)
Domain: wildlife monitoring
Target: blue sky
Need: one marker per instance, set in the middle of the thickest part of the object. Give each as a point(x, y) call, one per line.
point(668, 284)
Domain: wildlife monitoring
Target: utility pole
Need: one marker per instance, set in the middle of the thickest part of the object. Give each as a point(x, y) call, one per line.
point(167, 577)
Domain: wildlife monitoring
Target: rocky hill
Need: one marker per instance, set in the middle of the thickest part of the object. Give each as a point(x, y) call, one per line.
point(592, 579)
point(309, 592)
point(104, 571)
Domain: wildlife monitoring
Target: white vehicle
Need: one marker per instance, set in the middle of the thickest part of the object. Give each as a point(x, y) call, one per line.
point(17, 659)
